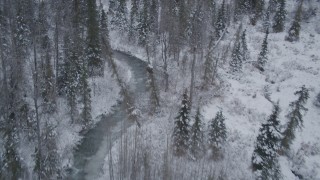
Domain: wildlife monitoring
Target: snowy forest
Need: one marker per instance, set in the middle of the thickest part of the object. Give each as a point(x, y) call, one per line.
point(160, 89)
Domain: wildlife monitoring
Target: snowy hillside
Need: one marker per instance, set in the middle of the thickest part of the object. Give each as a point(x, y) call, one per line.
point(246, 100)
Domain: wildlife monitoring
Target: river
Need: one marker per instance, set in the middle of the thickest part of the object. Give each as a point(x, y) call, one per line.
point(89, 157)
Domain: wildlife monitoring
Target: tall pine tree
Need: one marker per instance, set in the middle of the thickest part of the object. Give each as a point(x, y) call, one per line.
point(236, 61)
point(265, 158)
point(181, 130)
point(93, 51)
point(294, 31)
point(221, 21)
point(217, 134)
point(263, 58)
point(196, 136)
point(295, 117)
point(280, 16)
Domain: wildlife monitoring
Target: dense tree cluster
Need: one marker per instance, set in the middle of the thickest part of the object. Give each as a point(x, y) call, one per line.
point(60, 43)
point(49, 50)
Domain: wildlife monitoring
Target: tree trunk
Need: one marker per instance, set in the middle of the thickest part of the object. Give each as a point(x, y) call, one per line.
point(192, 76)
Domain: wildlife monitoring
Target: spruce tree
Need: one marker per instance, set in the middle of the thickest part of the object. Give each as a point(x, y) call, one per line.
point(266, 24)
point(11, 158)
point(244, 46)
point(133, 20)
point(280, 16)
point(236, 61)
point(294, 31)
point(144, 23)
point(263, 55)
point(51, 161)
point(220, 24)
point(85, 98)
point(105, 40)
point(93, 50)
point(196, 136)
point(265, 158)
point(154, 9)
point(257, 10)
point(217, 133)
point(181, 130)
point(208, 69)
point(295, 117)
point(120, 18)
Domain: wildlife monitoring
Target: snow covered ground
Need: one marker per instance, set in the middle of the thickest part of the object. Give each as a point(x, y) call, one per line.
point(246, 102)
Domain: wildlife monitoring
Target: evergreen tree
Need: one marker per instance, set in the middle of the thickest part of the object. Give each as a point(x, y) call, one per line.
point(72, 74)
point(85, 98)
point(105, 40)
point(113, 5)
point(280, 16)
point(265, 158)
point(208, 69)
point(11, 158)
point(183, 15)
point(196, 136)
point(49, 159)
point(144, 23)
point(295, 117)
point(47, 80)
point(181, 130)
point(236, 61)
point(221, 21)
point(244, 47)
point(133, 20)
point(154, 13)
point(241, 8)
point(262, 58)
point(217, 133)
point(257, 10)
point(120, 18)
point(294, 31)
point(266, 18)
point(93, 51)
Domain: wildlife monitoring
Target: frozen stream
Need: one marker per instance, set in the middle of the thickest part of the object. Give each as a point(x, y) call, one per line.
point(90, 155)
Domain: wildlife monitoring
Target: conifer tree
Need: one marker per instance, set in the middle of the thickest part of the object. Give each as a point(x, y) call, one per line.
point(280, 16)
point(257, 10)
point(49, 159)
point(196, 136)
point(217, 133)
point(133, 20)
point(221, 21)
point(154, 6)
point(241, 8)
point(236, 61)
point(144, 23)
point(85, 98)
point(93, 51)
point(208, 69)
point(105, 40)
point(244, 47)
point(263, 58)
point(47, 80)
point(71, 74)
point(181, 130)
point(266, 18)
point(113, 5)
point(265, 158)
point(11, 158)
point(294, 31)
point(295, 117)
point(120, 18)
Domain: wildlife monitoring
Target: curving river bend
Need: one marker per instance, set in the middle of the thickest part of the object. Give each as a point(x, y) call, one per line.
point(89, 157)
